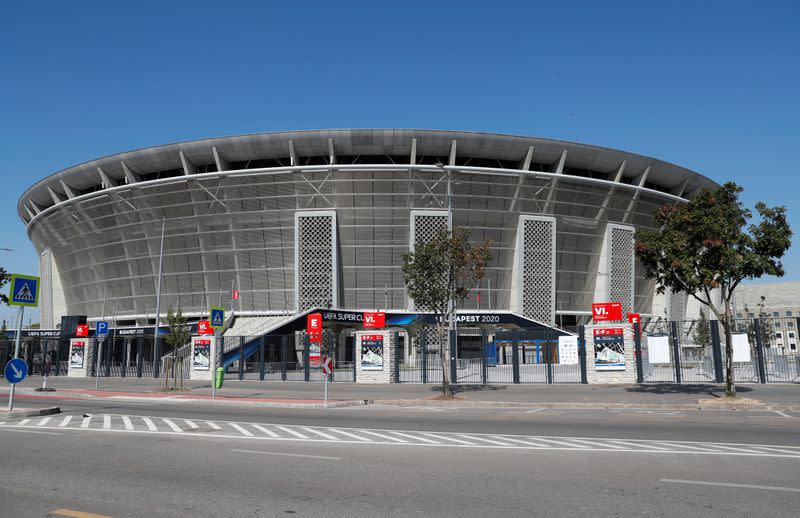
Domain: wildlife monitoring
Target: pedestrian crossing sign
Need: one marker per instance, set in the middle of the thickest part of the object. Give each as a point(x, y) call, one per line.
point(24, 290)
point(217, 317)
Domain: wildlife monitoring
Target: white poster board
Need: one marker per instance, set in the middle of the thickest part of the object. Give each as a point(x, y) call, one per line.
point(568, 350)
point(741, 347)
point(658, 349)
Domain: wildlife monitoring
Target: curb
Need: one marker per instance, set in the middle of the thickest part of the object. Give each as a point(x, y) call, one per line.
point(21, 414)
point(575, 406)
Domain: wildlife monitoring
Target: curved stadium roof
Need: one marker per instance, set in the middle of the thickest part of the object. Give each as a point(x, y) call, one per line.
point(360, 146)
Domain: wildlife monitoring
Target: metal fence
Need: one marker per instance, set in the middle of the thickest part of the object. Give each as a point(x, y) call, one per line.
point(502, 356)
point(764, 350)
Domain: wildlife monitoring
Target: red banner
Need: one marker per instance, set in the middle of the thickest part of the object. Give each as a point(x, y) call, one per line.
point(204, 328)
point(608, 331)
point(314, 323)
point(82, 331)
point(606, 311)
point(374, 320)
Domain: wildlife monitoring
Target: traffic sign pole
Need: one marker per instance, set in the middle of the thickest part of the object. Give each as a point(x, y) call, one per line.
point(20, 313)
point(99, 363)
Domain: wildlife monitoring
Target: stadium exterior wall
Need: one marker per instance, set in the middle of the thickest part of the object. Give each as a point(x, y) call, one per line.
point(323, 218)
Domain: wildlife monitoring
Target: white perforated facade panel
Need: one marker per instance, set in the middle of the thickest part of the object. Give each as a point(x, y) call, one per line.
point(426, 225)
point(538, 262)
point(621, 265)
point(316, 282)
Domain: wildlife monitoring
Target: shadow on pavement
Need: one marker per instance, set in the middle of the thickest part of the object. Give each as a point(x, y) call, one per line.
point(673, 388)
point(457, 389)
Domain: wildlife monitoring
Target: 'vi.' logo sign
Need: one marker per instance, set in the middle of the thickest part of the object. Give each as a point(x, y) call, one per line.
point(607, 311)
point(374, 320)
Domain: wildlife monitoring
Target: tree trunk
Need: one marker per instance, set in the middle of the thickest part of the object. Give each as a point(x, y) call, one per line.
point(730, 388)
point(444, 355)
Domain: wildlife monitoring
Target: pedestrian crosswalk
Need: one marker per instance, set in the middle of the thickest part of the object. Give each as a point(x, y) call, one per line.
point(381, 437)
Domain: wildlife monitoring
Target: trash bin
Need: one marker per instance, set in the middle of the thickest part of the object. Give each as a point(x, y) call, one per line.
point(219, 376)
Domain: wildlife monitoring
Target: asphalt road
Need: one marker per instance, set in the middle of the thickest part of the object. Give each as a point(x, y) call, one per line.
point(390, 461)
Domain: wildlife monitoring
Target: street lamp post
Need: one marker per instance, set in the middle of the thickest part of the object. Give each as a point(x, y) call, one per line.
point(156, 349)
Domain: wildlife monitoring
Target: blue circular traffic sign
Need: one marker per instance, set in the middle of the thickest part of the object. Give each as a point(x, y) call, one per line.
point(16, 370)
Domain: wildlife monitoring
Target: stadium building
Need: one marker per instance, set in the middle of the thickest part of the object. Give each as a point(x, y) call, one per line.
point(305, 219)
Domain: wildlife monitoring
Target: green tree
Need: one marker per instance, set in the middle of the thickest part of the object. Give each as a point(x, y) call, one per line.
point(178, 335)
point(709, 244)
point(702, 331)
point(438, 276)
point(5, 278)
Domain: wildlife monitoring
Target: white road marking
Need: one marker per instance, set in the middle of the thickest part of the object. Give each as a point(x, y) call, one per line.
point(246, 433)
point(527, 443)
point(106, 422)
point(384, 436)
point(44, 421)
point(291, 432)
point(728, 484)
point(473, 438)
point(175, 428)
point(150, 425)
point(673, 445)
point(415, 438)
point(65, 421)
point(636, 445)
point(24, 422)
point(282, 454)
point(321, 434)
point(599, 444)
point(782, 414)
point(190, 424)
point(127, 422)
point(351, 435)
point(734, 448)
point(448, 438)
point(85, 422)
point(213, 425)
point(560, 443)
point(37, 432)
point(266, 431)
point(534, 410)
point(770, 448)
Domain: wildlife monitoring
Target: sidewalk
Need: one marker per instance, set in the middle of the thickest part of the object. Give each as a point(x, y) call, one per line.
point(300, 393)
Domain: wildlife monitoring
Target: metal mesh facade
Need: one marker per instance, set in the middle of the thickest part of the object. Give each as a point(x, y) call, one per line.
point(621, 266)
point(316, 260)
point(677, 305)
point(538, 268)
point(237, 219)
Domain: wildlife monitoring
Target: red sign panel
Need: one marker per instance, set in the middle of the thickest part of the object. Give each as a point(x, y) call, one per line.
point(604, 311)
point(204, 328)
point(634, 318)
point(314, 323)
point(327, 366)
point(235, 294)
point(82, 331)
point(374, 320)
point(609, 331)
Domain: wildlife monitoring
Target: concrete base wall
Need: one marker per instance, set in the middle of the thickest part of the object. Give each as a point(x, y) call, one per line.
point(628, 375)
point(385, 375)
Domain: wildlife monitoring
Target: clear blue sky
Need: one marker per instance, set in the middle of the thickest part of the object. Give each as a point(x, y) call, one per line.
point(712, 86)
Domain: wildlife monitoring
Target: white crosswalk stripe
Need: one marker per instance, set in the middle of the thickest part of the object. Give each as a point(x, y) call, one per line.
point(405, 438)
point(243, 431)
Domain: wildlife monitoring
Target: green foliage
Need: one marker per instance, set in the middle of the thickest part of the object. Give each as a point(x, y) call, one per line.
point(709, 244)
point(702, 331)
point(178, 333)
point(438, 276)
point(5, 278)
point(444, 270)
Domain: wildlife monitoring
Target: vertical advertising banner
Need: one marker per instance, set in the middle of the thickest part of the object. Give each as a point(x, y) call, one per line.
point(609, 349)
point(77, 354)
point(568, 350)
point(372, 352)
point(201, 360)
